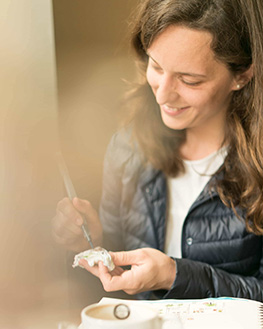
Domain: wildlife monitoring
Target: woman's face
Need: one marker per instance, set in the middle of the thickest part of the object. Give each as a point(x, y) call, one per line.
point(192, 88)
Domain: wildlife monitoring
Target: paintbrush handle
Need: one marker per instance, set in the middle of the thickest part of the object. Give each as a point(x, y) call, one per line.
point(72, 193)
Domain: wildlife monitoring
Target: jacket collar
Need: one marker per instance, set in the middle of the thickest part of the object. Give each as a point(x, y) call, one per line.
point(153, 184)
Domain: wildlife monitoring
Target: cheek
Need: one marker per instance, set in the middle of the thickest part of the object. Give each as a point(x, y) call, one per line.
point(201, 98)
point(191, 96)
point(218, 96)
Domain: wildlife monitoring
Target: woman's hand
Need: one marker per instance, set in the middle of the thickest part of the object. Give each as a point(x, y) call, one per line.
point(150, 270)
point(66, 225)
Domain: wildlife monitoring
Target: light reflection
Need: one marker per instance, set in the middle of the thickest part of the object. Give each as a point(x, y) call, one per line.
point(36, 283)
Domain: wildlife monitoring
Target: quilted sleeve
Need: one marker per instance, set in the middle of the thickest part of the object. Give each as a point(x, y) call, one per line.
point(117, 156)
point(200, 280)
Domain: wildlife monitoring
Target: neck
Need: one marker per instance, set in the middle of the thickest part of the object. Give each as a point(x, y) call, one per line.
point(199, 144)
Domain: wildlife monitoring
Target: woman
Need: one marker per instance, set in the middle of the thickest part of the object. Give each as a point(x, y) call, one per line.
point(186, 177)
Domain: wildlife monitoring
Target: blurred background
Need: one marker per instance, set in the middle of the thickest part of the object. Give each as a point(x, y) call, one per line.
point(63, 65)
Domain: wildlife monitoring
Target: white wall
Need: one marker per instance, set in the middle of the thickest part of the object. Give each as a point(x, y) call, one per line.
point(92, 60)
point(29, 184)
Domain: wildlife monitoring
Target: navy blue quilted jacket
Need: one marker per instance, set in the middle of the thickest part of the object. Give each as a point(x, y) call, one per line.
point(219, 257)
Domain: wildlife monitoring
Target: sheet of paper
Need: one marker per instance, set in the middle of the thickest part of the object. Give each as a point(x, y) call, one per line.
point(227, 313)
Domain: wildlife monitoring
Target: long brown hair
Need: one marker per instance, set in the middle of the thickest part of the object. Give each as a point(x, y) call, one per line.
point(237, 28)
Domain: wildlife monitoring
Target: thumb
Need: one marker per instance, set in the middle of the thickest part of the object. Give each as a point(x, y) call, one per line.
point(123, 258)
point(85, 208)
point(81, 205)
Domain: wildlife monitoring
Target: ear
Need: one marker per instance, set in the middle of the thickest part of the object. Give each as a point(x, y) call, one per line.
point(242, 79)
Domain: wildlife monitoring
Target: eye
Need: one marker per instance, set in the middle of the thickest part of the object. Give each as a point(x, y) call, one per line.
point(188, 83)
point(154, 66)
point(157, 68)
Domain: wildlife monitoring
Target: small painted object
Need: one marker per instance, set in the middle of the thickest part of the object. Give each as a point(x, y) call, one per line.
point(93, 256)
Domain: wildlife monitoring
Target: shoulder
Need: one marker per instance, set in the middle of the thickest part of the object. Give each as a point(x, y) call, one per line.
point(123, 152)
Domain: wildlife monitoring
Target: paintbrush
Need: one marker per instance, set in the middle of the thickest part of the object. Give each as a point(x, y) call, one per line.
point(72, 193)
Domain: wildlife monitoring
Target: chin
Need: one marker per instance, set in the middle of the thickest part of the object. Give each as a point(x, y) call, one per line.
point(172, 122)
point(173, 125)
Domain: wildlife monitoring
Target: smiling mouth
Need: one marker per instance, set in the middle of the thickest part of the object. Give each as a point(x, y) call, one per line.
point(169, 109)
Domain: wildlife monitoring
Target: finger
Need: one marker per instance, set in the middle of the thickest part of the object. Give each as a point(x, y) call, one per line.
point(64, 227)
point(123, 258)
point(86, 208)
point(132, 291)
point(117, 271)
point(92, 269)
point(90, 216)
point(66, 209)
point(114, 282)
point(105, 277)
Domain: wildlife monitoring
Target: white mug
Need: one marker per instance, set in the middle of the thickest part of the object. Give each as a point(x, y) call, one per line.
point(120, 316)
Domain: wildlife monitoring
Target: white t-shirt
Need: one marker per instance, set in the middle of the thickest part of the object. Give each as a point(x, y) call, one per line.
point(183, 191)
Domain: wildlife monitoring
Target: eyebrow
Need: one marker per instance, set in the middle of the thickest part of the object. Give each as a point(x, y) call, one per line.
point(181, 73)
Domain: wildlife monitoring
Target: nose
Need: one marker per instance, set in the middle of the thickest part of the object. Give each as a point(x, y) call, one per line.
point(166, 91)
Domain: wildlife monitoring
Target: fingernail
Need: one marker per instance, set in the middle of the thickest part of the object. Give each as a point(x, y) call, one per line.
point(75, 200)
